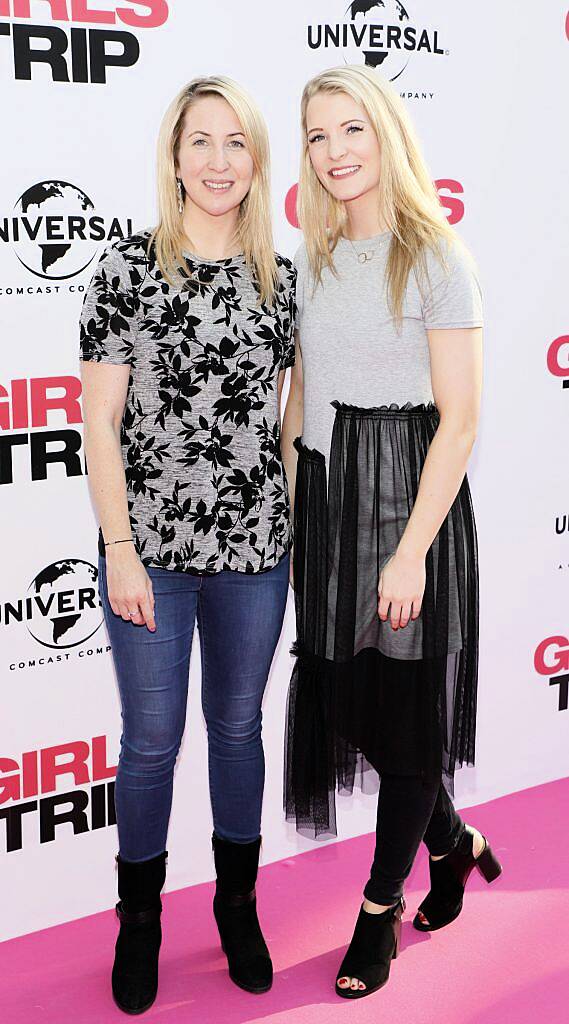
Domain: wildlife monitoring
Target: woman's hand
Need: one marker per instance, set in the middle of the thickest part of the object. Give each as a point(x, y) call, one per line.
point(129, 586)
point(401, 588)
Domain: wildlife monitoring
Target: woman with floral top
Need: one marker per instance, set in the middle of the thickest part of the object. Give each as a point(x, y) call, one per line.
point(186, 331)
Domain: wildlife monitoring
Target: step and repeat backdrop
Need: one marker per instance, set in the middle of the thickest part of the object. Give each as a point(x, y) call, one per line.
point(84, 84)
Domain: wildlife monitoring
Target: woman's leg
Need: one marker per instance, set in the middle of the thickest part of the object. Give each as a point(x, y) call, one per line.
point(446, 834)
point(445, 826)
point(240, 618)
point(152, 671)
point(404, 809)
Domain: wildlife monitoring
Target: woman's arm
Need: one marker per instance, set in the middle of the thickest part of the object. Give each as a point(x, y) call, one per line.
point(104, 395)
point(292, 420)
point(292, 427)
point(456, 373)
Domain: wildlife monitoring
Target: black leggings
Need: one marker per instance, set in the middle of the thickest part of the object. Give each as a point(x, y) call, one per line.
point(409, 809)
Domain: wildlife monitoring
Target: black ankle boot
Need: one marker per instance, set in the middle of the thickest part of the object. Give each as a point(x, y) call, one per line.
point(375, 943)
point(449, 875)
point(235, 910)
point(135, 970)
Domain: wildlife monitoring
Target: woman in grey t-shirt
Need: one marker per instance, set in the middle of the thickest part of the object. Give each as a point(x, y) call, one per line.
point(388, 376)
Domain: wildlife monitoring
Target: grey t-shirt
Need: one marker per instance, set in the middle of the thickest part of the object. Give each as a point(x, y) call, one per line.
point(351, 349)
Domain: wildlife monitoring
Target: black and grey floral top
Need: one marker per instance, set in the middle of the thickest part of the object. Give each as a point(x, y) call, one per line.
point(200, 432)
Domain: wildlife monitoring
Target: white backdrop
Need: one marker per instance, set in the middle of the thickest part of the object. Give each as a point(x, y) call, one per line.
point(490, 109)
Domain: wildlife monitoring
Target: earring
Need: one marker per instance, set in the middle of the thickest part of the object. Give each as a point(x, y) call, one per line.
point(180, 196)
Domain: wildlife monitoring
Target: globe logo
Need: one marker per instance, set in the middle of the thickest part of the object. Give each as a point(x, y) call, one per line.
point(378, 33)
point(66, 604)
point(52, 230)
point(375, 49)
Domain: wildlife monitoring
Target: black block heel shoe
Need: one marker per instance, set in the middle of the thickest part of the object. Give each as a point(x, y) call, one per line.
point(235, 910)
point(449, 875)
point(135, 970)
point(375, 943)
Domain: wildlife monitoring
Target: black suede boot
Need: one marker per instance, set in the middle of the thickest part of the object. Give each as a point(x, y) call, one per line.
point(135, 970)
point(235, 911)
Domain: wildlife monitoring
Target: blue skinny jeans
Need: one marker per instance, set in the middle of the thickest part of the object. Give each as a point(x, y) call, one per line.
point(239, 618)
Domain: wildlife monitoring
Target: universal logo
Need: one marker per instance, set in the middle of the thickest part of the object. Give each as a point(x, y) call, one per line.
point(72, 53)
point(62, 607)
point(379, 33)
point(55, 231)
point(552, 657)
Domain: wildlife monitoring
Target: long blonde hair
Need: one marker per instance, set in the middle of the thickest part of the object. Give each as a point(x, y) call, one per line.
point(408, 202)
point(254, 228)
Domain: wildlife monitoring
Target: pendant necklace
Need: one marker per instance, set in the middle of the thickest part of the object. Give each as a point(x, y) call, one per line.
point(365, 256)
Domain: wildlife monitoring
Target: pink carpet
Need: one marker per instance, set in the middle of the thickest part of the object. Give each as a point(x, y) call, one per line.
point(504, 961)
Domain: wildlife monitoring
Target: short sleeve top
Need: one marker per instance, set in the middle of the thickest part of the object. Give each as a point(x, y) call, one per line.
point(200, 435)
point(352, 349)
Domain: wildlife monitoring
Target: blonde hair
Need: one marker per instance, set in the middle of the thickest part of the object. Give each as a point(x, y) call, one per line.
point(408, 201)
point(254, 230)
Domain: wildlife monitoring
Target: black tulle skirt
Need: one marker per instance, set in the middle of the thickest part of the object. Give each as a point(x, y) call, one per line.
point(363, 696)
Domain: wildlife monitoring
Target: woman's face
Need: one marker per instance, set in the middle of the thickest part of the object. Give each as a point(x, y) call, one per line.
point(214, 162)
point(342, 144)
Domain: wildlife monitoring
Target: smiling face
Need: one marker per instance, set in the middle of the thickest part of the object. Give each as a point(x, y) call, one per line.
point(213, 160)
point(343, 146)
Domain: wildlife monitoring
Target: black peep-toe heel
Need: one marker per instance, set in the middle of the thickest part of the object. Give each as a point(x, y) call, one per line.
point(449, 875)
point(375, 943)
